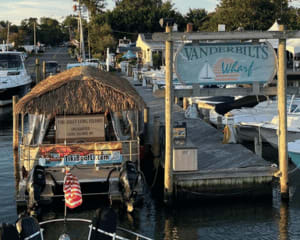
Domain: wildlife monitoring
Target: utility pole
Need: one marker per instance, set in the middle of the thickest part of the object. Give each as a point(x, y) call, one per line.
point(7, 41)
point(34, 36)
point(108, 60)
point(81, 34)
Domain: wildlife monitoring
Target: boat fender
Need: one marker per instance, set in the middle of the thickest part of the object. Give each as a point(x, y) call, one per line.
point(8, 232)
point(35, 185)
point(28, 227)
point(229, 134)
point(106, 220)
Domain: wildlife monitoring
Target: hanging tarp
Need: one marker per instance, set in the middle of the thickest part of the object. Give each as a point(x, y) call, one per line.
point(37, 126)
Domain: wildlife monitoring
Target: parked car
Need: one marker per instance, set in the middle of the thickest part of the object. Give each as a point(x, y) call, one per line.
point(52, 68)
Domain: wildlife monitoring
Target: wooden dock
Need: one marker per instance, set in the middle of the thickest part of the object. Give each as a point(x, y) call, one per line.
point(223, 169)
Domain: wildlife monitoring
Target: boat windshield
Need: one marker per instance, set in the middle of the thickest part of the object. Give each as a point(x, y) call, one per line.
point(295, 108)
point(10, 61)
point(51, 64)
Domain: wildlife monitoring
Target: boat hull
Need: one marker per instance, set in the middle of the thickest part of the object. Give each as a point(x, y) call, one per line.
point(246, 133)
point(270, 136)
point(295, 157)
point(7, 93)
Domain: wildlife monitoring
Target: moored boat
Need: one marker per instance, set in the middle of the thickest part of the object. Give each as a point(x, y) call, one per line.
point(262, 120)
point(269, 130)
point(103, 226)
point(294, 152)
point(85, 122)
point(14, 79)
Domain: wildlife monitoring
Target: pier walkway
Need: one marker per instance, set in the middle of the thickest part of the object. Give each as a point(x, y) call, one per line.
point(223, 169)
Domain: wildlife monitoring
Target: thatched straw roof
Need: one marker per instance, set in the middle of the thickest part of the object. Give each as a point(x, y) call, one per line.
point(80, 90)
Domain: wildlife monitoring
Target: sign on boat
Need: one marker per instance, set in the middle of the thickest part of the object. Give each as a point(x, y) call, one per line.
point(225, 63)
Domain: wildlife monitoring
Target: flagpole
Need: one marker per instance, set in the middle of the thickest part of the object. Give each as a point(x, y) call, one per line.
point(65, 211)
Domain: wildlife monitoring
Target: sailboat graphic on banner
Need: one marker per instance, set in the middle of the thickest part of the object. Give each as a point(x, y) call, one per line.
point(206, 74)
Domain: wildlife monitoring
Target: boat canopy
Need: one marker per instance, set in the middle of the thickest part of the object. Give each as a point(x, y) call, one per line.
point(78, 91)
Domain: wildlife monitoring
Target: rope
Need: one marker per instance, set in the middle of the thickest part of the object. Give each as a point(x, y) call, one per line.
point(294, 170)
point(155, 178)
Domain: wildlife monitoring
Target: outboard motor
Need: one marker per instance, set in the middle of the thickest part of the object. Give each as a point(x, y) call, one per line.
point(8, 232)
point(35, 186)
point(129, 180)
point(106, 220)
point(29, 228)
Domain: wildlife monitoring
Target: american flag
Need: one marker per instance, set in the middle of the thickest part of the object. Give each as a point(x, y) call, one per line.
point(73, 197)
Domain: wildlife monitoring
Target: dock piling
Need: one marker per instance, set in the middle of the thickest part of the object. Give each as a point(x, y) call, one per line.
point(185, 103)
point(258, 146)
point(37, 71)
point(168, 182)
point(146, 122)
point(281, 92)
point(219, 122)
point(16, 144)
point(156, 142)
point(44, 69)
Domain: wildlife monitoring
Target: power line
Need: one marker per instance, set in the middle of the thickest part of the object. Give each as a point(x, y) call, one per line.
point(124, 32)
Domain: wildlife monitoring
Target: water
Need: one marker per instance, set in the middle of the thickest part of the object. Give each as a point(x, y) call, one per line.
point(236, 220)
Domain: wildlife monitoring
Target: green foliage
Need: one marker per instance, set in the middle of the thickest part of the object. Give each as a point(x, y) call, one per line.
point(196, 17)
point(94, 6)
point(100, 37)
point(248, 14)
point(157, 60)
point(50, 32)
point(130, 17)
point(141, 16)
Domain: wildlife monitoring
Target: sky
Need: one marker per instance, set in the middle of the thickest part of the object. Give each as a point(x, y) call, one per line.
point(16, 10)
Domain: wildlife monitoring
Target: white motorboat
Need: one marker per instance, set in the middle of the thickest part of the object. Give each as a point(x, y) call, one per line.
point(102, 226)
point(268, 130)
point(14, 79)
point(249, 122)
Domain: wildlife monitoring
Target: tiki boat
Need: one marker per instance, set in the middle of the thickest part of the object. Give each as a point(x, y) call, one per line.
point(82, 121)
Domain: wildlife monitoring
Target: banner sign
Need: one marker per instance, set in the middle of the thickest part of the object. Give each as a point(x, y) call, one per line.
point(225, 63)
point(80, 154)
point(80, 128)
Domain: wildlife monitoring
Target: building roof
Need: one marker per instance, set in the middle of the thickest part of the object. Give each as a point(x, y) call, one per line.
point(156, 45)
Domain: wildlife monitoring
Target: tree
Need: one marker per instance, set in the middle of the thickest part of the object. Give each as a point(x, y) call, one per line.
point(27, 25)
point(18, 38)
point(248, 14)
point(94, 6)
point(101, 38)
point(70, 27)
point(141, 16)
point(196, 16)
point(50, 31)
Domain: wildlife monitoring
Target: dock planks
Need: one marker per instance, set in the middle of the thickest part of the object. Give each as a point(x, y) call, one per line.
point(223, 167)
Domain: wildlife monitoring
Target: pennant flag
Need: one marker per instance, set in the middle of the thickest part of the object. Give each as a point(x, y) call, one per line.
point(73, 197)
